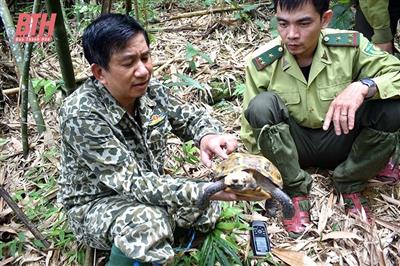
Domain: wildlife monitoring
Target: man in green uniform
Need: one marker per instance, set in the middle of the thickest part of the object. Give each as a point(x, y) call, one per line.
point(377, 20)
point(114, 130)
point(321, 97)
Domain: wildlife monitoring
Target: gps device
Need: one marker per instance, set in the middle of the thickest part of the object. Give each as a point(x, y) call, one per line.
point(259, 238)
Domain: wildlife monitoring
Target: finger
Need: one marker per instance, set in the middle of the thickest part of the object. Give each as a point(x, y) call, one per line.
point(336, 121)
point(351, 117)
point(343, 120)
point(220, 152)
point(231, 145)
point(205, 158)
point(328, 118)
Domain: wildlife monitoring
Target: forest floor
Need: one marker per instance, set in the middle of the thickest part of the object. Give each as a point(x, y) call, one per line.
point(219, 44)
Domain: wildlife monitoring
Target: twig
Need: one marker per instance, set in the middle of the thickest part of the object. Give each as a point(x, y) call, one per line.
point(211, 11)
point(89, 256)
point(21, 215)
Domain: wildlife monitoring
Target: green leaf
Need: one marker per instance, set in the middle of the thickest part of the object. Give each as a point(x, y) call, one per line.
point(49, 89)
point(38, 243)
point(221, 258)
point(230, 212)
point(343, 17)
point(248, 8)
point(186, 81)
point(273, 27)
point(190, 52)
point(21, 236)
point(226, 226)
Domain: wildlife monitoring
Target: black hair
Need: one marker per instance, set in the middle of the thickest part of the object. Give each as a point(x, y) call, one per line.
point(108, 34)
point(321, 6)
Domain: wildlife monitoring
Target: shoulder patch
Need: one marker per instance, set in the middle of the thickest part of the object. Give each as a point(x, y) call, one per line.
point(371, 50)
point(351, 39)
point(268, 57)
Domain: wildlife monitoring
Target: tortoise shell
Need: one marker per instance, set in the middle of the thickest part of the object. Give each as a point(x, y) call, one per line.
point(260, 166)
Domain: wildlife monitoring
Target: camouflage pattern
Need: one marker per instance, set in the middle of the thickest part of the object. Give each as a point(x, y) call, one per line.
point(112, 183)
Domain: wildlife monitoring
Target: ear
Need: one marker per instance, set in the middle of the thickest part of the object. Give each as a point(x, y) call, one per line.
point(98, 73)
point(326, 18)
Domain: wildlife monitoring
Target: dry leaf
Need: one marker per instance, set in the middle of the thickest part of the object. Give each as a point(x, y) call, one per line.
point(341, 235)
point(293, 258)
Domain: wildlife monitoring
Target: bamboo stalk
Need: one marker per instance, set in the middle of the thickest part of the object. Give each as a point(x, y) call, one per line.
point(24, 83)
point(136, 6)
point(21, 215)
point(211, 11)
point(62, 47)
point(17, 53)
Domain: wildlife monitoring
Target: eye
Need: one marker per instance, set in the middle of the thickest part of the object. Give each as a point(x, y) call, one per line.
point(305, 23)
point(128, 64)
point(282, 24)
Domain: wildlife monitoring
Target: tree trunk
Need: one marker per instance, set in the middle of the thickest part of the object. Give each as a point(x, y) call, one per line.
point(62, 47)
point(106, 6)
point(128, 6)
point(17, 53)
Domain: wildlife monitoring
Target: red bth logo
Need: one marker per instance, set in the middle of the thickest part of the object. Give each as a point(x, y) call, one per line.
point(29, 24)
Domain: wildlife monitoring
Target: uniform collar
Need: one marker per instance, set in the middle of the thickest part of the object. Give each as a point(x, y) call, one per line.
point(116, 111)
point(321, 58)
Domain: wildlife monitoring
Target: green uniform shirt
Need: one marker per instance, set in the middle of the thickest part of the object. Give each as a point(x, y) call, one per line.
point(341, 57)
point(377, 14)
point(105, 152)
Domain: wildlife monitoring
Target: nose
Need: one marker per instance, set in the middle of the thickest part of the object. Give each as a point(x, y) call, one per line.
point(293, 32)
point(141, 70)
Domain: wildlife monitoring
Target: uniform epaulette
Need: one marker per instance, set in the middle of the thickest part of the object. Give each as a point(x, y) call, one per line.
point(351, 39)
point(268, 57)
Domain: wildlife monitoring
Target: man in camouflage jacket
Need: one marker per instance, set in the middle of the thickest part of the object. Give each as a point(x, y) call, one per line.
point(114, 130)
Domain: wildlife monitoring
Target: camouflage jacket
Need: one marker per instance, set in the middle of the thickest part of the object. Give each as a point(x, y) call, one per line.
point(104, 151)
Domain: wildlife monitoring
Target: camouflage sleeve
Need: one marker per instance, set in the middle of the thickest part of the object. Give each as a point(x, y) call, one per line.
point(91, 140)
point(189, 121)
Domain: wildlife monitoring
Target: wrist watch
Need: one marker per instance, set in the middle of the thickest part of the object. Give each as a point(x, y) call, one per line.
point(372, 88)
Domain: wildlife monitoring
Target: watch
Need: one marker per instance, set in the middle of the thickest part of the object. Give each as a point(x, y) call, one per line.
point(372, 88)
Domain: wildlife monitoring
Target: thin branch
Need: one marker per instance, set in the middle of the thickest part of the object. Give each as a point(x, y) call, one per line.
point(21, 215)
point(211, 11)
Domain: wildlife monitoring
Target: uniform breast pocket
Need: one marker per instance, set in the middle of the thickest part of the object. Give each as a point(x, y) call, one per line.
point(290, 98)
point(157, 139)
point(328, 93)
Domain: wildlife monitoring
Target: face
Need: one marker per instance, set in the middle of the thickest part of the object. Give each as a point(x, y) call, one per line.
point(300, 29)
point(129, 71)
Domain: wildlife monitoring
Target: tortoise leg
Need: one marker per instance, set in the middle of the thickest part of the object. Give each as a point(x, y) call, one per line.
point(270, 208)
point(278, 194)
point(210, 190)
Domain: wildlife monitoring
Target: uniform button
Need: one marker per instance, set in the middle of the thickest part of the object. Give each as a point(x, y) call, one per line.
point(326, 38)
point(280, 49)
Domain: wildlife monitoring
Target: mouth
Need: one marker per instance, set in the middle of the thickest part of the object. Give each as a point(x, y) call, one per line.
point(293, 45)
point(140, 85)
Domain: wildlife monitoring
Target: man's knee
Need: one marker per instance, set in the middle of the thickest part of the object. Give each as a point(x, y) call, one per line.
point(383, 115)
point(266, 108)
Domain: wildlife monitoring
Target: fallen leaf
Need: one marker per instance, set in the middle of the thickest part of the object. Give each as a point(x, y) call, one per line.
point(293, 258)
point(341, 235)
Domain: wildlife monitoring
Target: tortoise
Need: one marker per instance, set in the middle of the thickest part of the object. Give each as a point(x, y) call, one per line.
point(249, 175)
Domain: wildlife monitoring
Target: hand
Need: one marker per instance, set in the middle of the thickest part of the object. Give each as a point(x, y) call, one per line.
point(387, 46)
point(221, 145)
point(342, 110)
